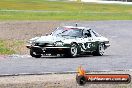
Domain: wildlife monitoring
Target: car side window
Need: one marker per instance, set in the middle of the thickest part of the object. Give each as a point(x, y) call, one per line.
point(86, 33)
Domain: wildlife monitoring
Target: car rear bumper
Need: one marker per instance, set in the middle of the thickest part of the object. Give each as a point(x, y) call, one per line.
point(107, 45)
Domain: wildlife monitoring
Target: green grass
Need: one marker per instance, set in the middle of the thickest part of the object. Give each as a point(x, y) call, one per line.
point(62, 10)
point(4, 49)
point(64, 16)
point(12, 47)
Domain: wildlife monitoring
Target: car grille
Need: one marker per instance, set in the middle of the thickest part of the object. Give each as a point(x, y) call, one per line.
point(44, 44)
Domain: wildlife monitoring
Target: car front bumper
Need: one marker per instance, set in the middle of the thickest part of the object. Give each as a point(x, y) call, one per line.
point(49, 50)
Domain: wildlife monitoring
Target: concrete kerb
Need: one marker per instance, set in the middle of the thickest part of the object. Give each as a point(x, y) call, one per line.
point(66, 72)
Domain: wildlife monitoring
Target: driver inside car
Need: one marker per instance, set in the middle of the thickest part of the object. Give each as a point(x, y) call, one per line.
point(87, 34)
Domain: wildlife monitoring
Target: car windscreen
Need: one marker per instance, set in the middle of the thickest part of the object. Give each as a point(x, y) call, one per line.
point(72, 32)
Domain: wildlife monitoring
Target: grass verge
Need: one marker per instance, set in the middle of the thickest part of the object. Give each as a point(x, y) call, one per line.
point(4, 49)
point(64, 16)
point(11, 47)
point(58, 10)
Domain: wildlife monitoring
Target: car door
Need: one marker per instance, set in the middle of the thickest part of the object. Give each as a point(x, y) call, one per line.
point(89, 42)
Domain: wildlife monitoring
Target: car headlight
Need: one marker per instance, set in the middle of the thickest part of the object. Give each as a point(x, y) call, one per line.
point(31, 42)
point(59, 43)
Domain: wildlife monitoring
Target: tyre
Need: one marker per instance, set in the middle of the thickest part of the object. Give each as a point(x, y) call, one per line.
point(81, 80)
point(34, 54)
point(73, 51)
point(100, 50)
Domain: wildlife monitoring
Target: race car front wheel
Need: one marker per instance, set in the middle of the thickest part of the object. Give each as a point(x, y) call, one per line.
point(34, 54)
point(73, 50)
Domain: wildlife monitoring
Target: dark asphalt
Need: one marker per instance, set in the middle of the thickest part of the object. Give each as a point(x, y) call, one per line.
point(117, 57)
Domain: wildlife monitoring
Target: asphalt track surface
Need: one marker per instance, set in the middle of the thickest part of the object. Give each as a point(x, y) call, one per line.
point(117, 57)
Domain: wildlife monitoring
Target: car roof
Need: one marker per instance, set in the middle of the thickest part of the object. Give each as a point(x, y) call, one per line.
point(74, 27)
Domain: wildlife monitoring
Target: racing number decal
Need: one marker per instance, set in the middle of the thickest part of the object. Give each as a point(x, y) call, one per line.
point(89, 45)
point(86, 46)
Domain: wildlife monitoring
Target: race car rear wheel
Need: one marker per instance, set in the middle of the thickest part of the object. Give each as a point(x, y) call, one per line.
point(100, 50)
point(34, 54)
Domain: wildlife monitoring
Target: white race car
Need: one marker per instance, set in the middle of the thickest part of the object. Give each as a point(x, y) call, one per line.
point(69, 41)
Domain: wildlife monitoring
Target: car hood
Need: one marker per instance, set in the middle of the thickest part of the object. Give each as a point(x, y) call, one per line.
point(52, 39)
